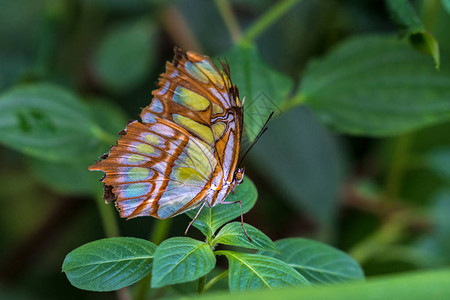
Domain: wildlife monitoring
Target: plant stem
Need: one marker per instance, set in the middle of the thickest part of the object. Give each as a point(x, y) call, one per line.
point(215, 279)
point(396, 225)
point(201, 284)
point(143, 287)
point(108, 217)
point(176, 26)
point(158, 234)
point(124, 294)
point(271, 16)
point(381, 240)
point(398, 166)
point(229, 18)
point(160, 231)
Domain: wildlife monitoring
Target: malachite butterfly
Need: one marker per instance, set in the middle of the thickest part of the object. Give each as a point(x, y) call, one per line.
point(184, 153)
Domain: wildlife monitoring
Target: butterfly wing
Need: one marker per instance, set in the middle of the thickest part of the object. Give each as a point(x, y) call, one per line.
point(155, 169)
point(195, 94)
point(185, 149)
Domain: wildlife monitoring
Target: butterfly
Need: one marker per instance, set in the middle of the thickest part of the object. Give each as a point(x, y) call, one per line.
point(184, 153)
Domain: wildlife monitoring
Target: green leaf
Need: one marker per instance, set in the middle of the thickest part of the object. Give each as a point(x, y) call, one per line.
point(427, 44)
point(440, 212)
point(109, 117)
point(232, 234)
point(264, 89)
point(435, 244)
point(18, 53)
point(45, 121)
point(74, 178)
point(406, 18)
point(110, 120)
point(126, 55)
point(65, 178)
point(309, 177)
point(252, 271)
point(377, 86)
point(109, 264)
point(319, 263)
point(404, 15)
point(181, 259)
point(431, 285)
point(425, 162)
point(438, 160)
point(446, 5)
point(210, 219)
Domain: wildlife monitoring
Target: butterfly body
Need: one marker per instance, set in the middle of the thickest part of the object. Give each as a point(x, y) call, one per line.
point(185, 151)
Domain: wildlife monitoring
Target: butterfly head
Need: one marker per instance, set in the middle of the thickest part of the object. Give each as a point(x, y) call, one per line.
point(238, 176)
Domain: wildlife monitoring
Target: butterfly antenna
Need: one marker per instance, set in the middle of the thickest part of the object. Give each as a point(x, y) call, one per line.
point(261, 132)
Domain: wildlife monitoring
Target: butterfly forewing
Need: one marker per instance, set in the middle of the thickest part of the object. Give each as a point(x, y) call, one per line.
point(185, 150)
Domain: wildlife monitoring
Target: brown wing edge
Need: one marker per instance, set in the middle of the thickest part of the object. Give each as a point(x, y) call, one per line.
point(179, 55)
point(108, 194)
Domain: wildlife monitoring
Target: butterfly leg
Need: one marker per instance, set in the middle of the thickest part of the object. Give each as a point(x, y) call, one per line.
point(242, 217)
point(196, 215)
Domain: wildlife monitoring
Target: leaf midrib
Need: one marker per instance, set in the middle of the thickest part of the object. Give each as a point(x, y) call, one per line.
point(109, 261)
point(183, 259)
point(250, 267)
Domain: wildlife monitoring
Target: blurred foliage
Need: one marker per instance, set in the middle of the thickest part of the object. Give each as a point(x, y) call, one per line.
point(409, 22)
point(358, 154)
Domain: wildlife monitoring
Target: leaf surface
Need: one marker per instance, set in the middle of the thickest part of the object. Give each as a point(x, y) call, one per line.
point(252, 271)
point(109, 264)
point(319, 263)
point(46, 121)
point(376, 86)
point(181, 259)
point(232, 234)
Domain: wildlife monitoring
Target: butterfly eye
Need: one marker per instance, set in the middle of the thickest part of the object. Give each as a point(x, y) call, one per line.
point(239, 175)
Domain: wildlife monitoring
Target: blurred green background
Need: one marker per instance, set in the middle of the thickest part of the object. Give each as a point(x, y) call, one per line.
point(358, 155)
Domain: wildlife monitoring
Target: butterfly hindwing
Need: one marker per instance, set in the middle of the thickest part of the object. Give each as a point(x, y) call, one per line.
point(154, 165)
point(185, 150)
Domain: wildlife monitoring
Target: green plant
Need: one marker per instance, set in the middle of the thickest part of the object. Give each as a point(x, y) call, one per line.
point(356, 156)
point(114, 263)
